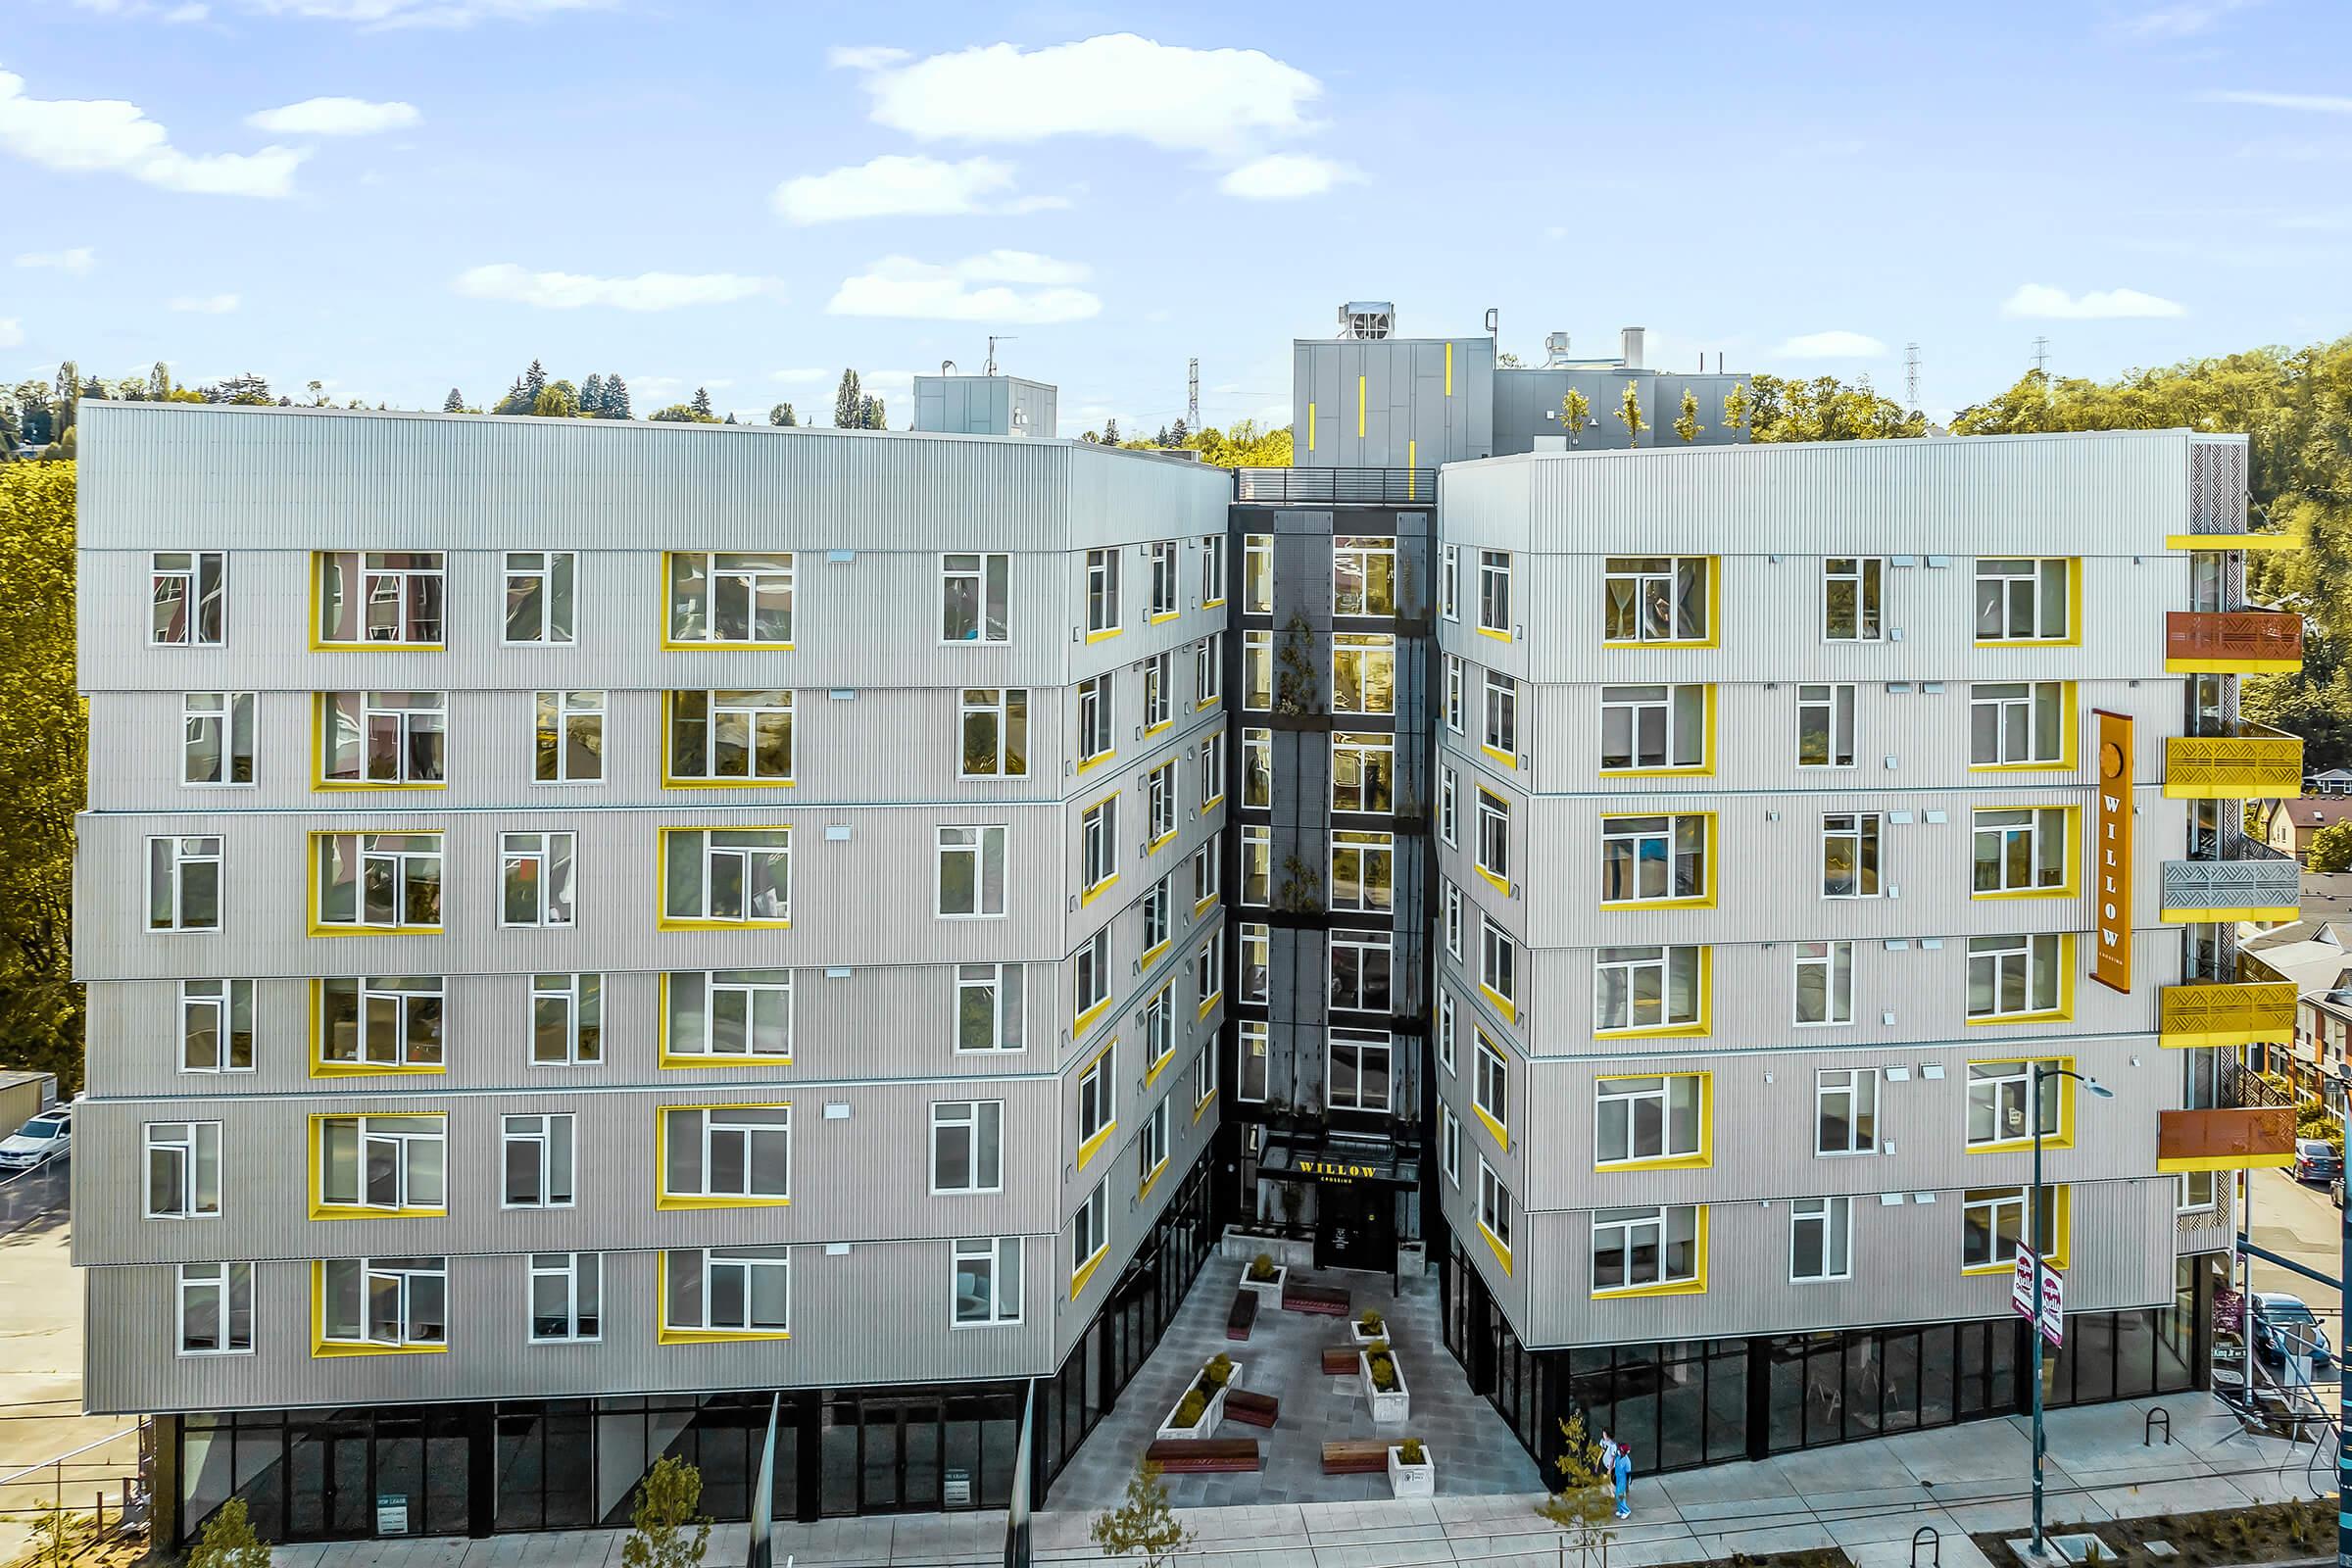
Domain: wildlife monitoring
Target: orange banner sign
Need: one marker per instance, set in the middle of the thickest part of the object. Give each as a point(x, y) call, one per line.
point(2111, 853)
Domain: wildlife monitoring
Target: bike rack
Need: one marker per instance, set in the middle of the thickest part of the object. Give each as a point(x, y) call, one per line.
point(2147, 1429)
point(1932, 1539)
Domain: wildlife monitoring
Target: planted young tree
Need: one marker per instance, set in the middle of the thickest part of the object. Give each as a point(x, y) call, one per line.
point(1142, 1523)
point(1687, 425)
point(1629, 414)
point(665, 1532)
point(1736, 407)
point(1585, 1508)
point(1576, 413)
point(228, 1540)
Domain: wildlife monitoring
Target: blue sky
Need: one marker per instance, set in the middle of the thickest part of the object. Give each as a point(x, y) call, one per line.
point(398, 196)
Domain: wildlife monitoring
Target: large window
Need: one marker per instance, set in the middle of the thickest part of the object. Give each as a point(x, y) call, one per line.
point(1994, 1226)
point(388, 1303)
point(1097, 1100)
point(1362, 871)
point(536, 874)
point(1359, 970)
point(1501, 734)
point(1258, 767)
point(215, 1025)
point(537, 1156)
point(2014, 976)
point(1657, 598)
point(1101, 592)
point(1495, 837)
point(727, 1152)
point(974, 593)
point(988, 1006)
point(542, 596)
point(1497, 963)
point(1845, 1110)
point(1824, 726)
point(1653, 859)
point(1363, 772)
point(1493, 1207)
point(1212, 570)
point(741, 599)
point(190, 596)
point(727, 1291)
point(567, 1298)
point(732, 876)
point(375, 597)
point(1824, 982)
point(1999, 1095)
point(1095, 740)
point(1359, 1071)
point(1091, 977)
point(1821, 1239)
point(1258, 949)
point(988, 1280)
point(1090, 1233)
point(568, 740)
point(1166, 600)
point(1364, 574)
point(1253, 1086)
point(717, 1016)
point(378, 881)
point(1160, 696)
point(384, 738)
point(996, 732)
point(1151, 1148)
point(391, 1164)
point(1491, 1088)
point(217, 738)
point(1849, 855)
point(1363, 672)
point(2021, 850)
point(1648, 988)
point(1099, 846)
point(184, 1171)
point(1258, 670)
point(183, 884)
point(1853, 599)
point(215, 1309)
point(1645, 1249)
point(1495, 593)
point(382, 1023)
point(1209, 669)
point(1640, 1120)
point(567, 1026)
point(968, 1145)
point(728, 737)
point(1654, 728)
point(2016, 724)
point(2024, 600)
point(1257, 573)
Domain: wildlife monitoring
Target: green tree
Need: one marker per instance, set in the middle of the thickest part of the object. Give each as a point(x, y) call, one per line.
point(1178, 435)
point(1111, 432)
point(1736, 407)
point(844, 402)
point(664, 1530)
point(1824, 409)
point(452, 403)
point(1576, 415)
point(681, 414)
point(68, 401)
point(249, 390)
point(1629, 415)
point(1585, 1508)
point(782, 416)
point(592, 396)
point(228, 1540)
point(318, 392)
point(159, 383)
point(556, 401)
point(616, 399)
point(1687, 425)
point(702, 402)
point(2331, 849)
point(1142, 1523)
point(869, 414)
point(35, 415)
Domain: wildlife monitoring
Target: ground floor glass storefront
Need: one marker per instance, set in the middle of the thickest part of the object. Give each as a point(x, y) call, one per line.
point(567, 1464)
point(1683, 1404)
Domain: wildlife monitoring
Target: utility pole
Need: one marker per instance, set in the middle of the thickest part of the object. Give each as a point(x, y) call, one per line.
point(1192, 396)
point(1911, 375)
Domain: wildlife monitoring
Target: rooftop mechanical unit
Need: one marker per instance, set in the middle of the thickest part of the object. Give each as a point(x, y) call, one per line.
point(1367, 321)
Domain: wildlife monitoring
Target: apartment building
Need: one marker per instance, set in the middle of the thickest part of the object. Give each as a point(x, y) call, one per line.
point(590, 925)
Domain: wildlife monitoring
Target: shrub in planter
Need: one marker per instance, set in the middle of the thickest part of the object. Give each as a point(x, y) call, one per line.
point(1191, 1408)
point(1372, 1322)
point(1384, 1372)
point(1261, 1267)
point(1218, 1372)
point(1377, 1348)
point(1410, 1451)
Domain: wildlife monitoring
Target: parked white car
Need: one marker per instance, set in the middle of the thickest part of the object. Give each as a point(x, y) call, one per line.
point(39, 1141)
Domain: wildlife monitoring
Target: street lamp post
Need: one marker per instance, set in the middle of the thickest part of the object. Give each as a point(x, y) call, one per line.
point(2034, 1238)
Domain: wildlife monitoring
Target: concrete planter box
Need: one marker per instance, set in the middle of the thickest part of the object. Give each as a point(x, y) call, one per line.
point(1270, 1290)
point(1413, 1479)
point(1355, 1332)
point(1208, 1427)
point(1393, 1406)
point(1286, 1251)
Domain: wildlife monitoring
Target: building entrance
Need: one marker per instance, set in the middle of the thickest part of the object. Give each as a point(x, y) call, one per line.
point(1355, 1226)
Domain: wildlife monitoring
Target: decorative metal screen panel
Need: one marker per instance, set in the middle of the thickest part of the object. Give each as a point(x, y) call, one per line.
point(2227, 1014)
point(2255, 763)
point(2217, 487)
point(2262, 882)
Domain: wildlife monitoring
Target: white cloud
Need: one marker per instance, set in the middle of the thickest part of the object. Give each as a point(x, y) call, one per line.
point(901, 286)
point(2041, 302)
point(1118, 84)
point(868, 57)
point(2308, 102)
point(1286, 177)
point(333, 116)
point(421, 12)
point(205, 304)
point(647, 291)
point(77, 261)
point(106, 135)
point(1830, 345)
point(2185, 19)
point(891, 187)
point(191, 11)
point(11, 334)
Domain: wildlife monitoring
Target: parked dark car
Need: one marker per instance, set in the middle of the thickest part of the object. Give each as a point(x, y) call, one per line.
point(2316, 1161)
point(2282, 1323)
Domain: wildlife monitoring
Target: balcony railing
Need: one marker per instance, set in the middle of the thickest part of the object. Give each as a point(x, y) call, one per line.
point(2243, 1014)
point(2242, 1087)
point(2253, 762)
point(2231, 642)
point(2226, 1140)
point(1338, 487)
point(2254, 883)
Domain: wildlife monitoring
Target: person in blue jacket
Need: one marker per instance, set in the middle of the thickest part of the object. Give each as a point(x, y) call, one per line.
point(1621, 1472)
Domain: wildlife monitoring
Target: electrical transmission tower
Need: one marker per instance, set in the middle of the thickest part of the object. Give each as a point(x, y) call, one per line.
point(2041, 355)
point(1911, 375)
point(1192, 396)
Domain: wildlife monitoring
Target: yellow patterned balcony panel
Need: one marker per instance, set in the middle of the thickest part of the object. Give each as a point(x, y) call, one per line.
point(2231, 642)
point(2257, 764)
point(2243, 1015)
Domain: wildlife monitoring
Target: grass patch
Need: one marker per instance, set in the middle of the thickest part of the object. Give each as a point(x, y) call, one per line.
point(2264, 1532)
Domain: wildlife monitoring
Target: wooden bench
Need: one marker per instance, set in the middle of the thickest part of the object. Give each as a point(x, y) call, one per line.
point(1355, 1457)
point(1252, 1409)
point(1242, 1316)
point(1314, 1299)
point(1179, 1456)
point(1339, 1361)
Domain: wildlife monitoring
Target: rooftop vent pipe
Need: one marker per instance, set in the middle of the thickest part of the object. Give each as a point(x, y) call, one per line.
point(1632, 347)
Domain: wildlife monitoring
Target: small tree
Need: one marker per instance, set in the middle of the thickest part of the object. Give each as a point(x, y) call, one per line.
point(1576, 413)
point(452, 403)
point(782, 416)
point(228, 1540)
point(1629, 414)
point(665, 1531)
point(1585, 1508)
point(1736, 407)
point(1688, 425)
point(1142, 1523)
point(2331, 849)
point(1110, 431)
point(556, 401)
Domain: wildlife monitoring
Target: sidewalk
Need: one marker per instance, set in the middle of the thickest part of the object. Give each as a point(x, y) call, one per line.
point(1867, 1498)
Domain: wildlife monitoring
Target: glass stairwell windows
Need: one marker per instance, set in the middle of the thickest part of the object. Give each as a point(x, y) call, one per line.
point(1363, 672)
point(1364, 574)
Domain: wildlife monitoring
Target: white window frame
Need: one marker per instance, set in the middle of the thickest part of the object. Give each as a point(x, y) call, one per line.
point(1159, 1027)
point(750, 1261)
point(1005, 985)
point(1866, 575)
point(1001, 1255)
point(548, 573)
point(559, 716)
point(1102, 592)
point(555, 860)
point(556, 1152)
point(2043, 954)
point(1367, 751)
point(1494, 1205)
point(1658, 1095)
point(1209, 870)
point(1255, 1038)
point(1257, 760)
point(1257, 573)
point(408, 863)
point(1992, 1203)
point(1097, 738)
point(1632, 962)
point(1449, 593)
point(220, 1282)
point(974, 842)
point(170, 860)
point(708, 1123)
point(1364, 1042)
point(349, 721)
point(1367, 652)
point(982, 570)
point(1151, 1144)
point(415, 1000)
point(1256, 958)
point(696, 625)
point(1007, 710)
point(1836, 960)
point(1371, 949)
point(2009, 699)
point(408, 1142)
point(1159, 691)
point(1491, 1082)
point(1455, 682)
point(1258, 672)
point(1494, 592)
point(1375, 879)
point(1256, 889)
point(1212, 570)
point(1497, 961)
point(1502, 739)
point(189, 570)
point(1839, 704)
point(181, 1148)
point(1157, 908)
point(1833, 1219)
point(759, 716)
point(1494, 856)
point(231, 1007)
point(2041, 823)
point(1683, 740)
point(580, 994)
point(1090, 963)
point(1627, 1225)
point(2185, 1201)
point(1663, 827)
point(1209, 669)
point(777, 854)
point(1862, 834)
point(582, 1274)
point(377, 570)
point(1857, 1089)
point(2031, 584)
point(1359, 554)
point(229, 718)
point(1449, 1145)
point(975, 1119)
point(1658, 574)
point(1205, 1067)
point(1099, 845)
point(1449, 1026)
point(1097, 1096)
point(1166, 598)
point(1159, 804)
point(1212, 770)
point(1208, 969)
point(1449, 805)
point(1090, 1229)
point(2007, 1099)
point(1456, 926)
point(746, 994)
